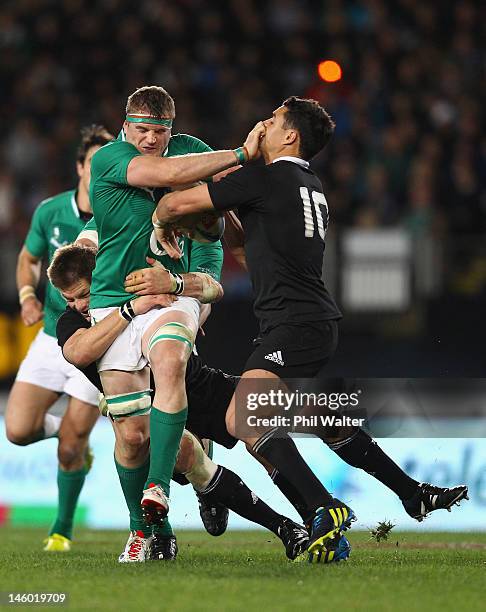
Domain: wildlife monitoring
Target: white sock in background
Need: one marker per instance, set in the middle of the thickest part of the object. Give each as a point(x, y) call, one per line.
point(52, 423)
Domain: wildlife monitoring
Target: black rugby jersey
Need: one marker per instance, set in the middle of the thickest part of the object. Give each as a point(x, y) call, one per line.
point(284, 215)
point(200, 378)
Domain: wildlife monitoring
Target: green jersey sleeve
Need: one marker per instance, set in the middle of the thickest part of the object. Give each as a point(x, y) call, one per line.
point(207, 258)
point(36, 242)
point(110, 163)
point(91, 225)
point(183, 144)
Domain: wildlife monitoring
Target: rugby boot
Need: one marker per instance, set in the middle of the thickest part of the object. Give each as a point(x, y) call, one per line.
point(155, 505)
point(428, 498)
point(137, 548)
point(214, 516)
point(336, 549)
point(164, 548)
point(57, 543)
point(328, 522)
point(295, 538)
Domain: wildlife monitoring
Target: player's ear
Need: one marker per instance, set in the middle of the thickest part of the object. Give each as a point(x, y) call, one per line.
point(79, 169)
point(291, 136)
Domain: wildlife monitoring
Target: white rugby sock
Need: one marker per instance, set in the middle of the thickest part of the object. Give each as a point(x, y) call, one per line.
point(52, 423)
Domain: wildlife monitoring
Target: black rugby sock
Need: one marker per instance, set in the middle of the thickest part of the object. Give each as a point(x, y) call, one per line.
point(282, 453)
point(290, 492)
point(361, 451)
point(227, 488)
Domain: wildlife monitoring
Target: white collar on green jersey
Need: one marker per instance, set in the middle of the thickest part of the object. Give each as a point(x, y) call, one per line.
point(295, 160)
point(74, 204)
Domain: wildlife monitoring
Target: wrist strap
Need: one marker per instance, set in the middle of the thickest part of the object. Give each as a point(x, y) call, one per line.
point(173, 282)
point(26, 292)
point(180, 284)
point(241, 155)
point(126, 311)
point(129, 308)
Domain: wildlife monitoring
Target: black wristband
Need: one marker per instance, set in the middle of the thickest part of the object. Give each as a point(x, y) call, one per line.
point(129, 308)
point(180, 284)
point(125, 313)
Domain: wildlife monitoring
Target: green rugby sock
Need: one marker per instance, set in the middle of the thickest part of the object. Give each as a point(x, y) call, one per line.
point(69, 486)
point(165, 435)
point(132, 482)
point(165, 529)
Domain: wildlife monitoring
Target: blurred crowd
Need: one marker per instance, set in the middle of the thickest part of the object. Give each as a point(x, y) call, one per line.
point(409, 146)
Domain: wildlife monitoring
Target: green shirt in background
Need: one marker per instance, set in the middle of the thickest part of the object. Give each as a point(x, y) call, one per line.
point(56, 222)
point(123, 219)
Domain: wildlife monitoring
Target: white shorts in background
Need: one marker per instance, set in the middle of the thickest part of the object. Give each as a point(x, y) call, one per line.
point(45, 366)
point(126, 351)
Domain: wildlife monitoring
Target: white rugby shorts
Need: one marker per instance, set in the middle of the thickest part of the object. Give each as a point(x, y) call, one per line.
point(45, 366)
point(126, 351)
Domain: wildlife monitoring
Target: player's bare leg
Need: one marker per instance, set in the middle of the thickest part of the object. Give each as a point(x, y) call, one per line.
point(26, 418)
point(167, 344)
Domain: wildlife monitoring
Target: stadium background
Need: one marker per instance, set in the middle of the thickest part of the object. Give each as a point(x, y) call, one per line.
point(404, 178)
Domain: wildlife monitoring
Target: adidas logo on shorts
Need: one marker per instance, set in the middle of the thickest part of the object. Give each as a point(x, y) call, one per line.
point(275, 356)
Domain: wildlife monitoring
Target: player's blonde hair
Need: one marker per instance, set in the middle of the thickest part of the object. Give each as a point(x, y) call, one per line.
point(151, 99)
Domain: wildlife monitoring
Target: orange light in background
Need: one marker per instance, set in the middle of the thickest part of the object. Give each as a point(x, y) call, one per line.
point(329, 71)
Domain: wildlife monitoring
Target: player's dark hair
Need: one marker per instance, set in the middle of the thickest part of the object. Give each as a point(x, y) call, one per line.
point(153, 100)
point(70, 264)
point(313, 123)
point(92, 136)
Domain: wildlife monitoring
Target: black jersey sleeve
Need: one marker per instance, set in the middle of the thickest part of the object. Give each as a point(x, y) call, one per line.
point(67, 324)
point(243, 188)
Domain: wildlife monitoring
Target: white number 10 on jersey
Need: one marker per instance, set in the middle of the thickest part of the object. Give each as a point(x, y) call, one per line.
point(319, 200)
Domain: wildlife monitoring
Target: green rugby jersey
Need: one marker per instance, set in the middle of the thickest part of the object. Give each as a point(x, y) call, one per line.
point(123, 219)
point(56, 222)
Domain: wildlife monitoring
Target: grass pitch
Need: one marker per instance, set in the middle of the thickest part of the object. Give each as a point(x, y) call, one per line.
point(248, 571)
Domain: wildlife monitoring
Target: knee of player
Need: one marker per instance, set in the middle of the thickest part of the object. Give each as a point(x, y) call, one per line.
point(168, 362)
point(331, 435)
point(70, 451)
point(133, 441)
point(230, 424)
point(169, 349)
point(186, 455)
point(18, 436)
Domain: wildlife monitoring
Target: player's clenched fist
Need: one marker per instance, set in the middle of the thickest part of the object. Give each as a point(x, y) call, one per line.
point(31, 311)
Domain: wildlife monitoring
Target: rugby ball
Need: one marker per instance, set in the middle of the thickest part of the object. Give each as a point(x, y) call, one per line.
point(205, 227)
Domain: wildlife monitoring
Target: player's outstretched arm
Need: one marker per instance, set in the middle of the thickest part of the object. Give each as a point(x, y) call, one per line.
point(158, 280)
point(173, 206)
point(147, 171)
point(28, 273)
point(87, 345)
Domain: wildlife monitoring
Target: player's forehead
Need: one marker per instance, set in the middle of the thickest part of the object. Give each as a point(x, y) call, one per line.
point(280, 111)
point(159, 124)
point(77, 289)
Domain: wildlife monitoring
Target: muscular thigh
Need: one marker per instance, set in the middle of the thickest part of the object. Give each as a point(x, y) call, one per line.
point(173, 316)
point(115, 382)
point(78, 420)
point(26, 407)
